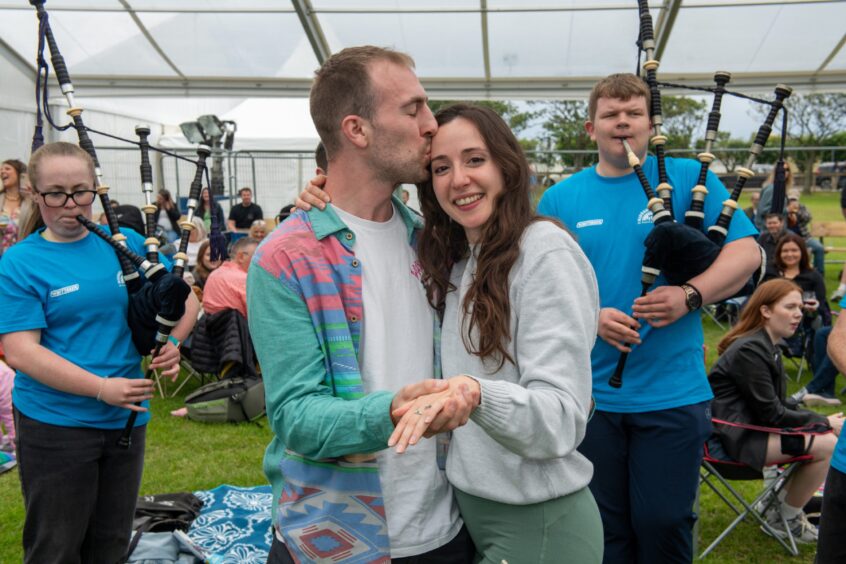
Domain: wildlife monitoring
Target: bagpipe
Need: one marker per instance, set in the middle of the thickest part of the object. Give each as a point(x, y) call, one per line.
point(681, 250)
point(156, 300)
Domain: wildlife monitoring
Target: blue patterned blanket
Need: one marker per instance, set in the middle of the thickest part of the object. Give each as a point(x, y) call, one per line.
point(234, 525)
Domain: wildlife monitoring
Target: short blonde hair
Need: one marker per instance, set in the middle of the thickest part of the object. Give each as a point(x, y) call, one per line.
point(200, 228)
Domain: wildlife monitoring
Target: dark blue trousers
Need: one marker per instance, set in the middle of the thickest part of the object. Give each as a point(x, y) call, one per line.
point(79, 491)
point(646, 473)
point(825, 373)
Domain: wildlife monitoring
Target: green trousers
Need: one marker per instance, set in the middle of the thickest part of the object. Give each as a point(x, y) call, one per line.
point(558, 531)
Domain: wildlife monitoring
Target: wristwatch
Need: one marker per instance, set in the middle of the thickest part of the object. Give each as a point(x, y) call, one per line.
point(692, 297)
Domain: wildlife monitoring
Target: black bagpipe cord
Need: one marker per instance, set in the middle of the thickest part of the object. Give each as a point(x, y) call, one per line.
point(217, 241)
point(780, 178)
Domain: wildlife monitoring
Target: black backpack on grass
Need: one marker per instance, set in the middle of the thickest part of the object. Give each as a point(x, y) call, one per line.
point(163, 513)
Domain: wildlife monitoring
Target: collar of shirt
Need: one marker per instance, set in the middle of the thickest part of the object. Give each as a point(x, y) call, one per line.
point(326, 222)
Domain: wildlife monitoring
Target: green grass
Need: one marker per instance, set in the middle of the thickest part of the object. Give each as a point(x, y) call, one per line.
point(183, 455)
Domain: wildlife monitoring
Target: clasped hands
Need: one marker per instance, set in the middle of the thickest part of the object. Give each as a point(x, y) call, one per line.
point(426, 408)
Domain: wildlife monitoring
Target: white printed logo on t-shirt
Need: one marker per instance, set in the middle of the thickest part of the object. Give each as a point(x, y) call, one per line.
point(589, 223)
point(644, 217)
point(62, 291)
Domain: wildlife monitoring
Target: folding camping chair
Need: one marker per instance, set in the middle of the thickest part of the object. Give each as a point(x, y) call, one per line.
point(718, 468)
point(799, 349)
point(725, 313)
point(187, 372)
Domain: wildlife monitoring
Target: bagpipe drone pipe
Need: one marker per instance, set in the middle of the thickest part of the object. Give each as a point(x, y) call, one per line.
point(681, 250)
point(156, 300)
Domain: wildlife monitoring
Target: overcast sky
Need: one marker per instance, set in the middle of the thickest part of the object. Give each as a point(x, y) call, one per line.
point(261, 117)
point(290, 118)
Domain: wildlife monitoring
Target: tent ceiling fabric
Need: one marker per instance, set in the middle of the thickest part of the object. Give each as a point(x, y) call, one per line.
point(464, 49)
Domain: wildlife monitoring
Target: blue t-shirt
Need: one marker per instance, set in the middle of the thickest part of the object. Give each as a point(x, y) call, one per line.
point(838, 459)
point(75, 294)
point(610, 220)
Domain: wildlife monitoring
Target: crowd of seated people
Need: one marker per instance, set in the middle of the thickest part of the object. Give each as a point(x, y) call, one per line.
point(796, 215)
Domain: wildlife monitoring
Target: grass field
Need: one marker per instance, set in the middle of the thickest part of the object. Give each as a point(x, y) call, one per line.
point(183, 456)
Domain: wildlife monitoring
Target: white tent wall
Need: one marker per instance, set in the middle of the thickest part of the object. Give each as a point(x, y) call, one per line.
point(17, 110)
point(119, 161)
point(16, 134)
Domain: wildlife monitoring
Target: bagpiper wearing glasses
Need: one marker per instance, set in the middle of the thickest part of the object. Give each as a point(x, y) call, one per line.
point(63, 324)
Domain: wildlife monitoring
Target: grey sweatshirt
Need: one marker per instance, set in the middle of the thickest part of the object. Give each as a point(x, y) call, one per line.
point(519, 446)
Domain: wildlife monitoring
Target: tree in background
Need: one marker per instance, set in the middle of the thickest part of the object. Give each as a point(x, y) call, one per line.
point(563, 123)
point(684, 120)
point(814, 120)
point(732, 158)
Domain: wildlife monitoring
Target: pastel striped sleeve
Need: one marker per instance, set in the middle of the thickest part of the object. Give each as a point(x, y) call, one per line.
point(301, 407)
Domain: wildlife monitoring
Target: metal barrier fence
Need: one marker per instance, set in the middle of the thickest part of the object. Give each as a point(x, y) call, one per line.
point(550, 165)
point(276, 177)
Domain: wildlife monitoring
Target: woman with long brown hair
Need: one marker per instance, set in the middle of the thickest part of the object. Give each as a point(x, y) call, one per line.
point(748, 382)
point(792, 261)
point(519, 307)
point(208, 207)
point(205, 265)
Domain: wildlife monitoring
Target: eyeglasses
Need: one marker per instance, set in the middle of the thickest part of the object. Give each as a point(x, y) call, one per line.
point(59, 199)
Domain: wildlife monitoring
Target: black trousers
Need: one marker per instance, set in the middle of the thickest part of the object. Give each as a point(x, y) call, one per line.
point(79, 491)
point(459, 550)
point(831, 546)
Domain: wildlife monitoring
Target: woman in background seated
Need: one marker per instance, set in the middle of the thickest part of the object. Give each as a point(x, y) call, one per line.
point(169, 220)
point(258, 229)
point(792, 262)
point(195, 241)
point(205, 265)
point(206, 209)
point(748, 382)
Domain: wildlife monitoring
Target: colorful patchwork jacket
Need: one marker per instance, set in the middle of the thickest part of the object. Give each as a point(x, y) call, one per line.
point(305, 311)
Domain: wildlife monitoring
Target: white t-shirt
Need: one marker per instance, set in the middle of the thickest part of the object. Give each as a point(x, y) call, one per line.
point(395, 350)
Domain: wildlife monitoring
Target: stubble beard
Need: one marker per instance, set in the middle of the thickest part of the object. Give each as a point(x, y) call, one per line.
point(396, 168)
